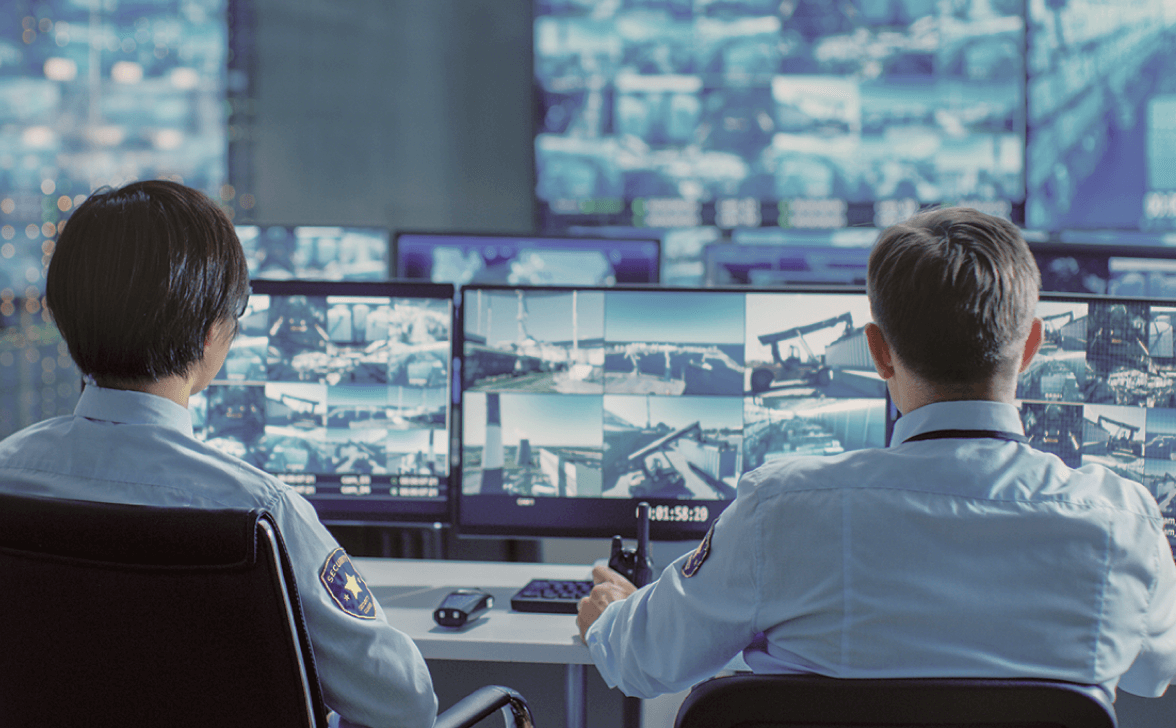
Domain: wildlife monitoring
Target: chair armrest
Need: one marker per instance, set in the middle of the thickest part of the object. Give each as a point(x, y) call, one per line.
point(481, 704)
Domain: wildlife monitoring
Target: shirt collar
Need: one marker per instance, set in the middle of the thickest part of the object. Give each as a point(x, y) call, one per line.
point(132, 408)
point(973, 414)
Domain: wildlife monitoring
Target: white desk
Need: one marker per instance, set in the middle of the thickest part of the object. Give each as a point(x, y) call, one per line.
point(506, 636)
point(500, 636)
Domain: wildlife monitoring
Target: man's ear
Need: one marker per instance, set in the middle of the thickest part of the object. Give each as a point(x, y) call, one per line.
point(1032, 344)
point(879, 351)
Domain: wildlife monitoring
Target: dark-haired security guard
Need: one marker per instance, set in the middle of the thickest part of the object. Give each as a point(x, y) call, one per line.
point(145, 285)
point(959, 551)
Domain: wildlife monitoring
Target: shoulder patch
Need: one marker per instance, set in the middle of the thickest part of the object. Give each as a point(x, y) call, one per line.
point(690, 568)
point(346, 587)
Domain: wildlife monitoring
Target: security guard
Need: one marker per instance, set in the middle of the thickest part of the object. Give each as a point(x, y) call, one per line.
point(146, 284)
point(959, 551)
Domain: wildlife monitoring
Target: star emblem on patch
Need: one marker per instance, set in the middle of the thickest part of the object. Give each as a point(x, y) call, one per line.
point(346, 587)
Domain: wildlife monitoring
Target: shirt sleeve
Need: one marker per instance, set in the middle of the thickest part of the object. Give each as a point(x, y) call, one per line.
point(1155, 666)
point(371, 673)
point(690, 623)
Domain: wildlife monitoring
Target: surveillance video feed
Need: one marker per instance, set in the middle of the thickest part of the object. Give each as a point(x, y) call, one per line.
point(688, 343)
point(693, 388)
point(534, 341)
point(1059, 372)
point(1102, 389)
point(1159, 465)
point(1118, 263)
point(531, 261)
point(681, 248)
point(532, 444)
point(319, 253)
point(340, 396)
point(745, 113)
point(732, 264)
point(680, 448)
point(1101, 97)
point(811, 386)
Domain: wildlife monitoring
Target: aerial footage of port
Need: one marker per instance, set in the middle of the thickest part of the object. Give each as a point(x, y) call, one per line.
point(534, 341)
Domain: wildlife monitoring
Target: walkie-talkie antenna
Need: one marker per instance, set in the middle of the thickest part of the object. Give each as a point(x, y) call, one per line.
point(643, 567)
point(642, 532)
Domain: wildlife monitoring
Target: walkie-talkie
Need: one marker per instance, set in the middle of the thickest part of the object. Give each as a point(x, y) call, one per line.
point(636, 565)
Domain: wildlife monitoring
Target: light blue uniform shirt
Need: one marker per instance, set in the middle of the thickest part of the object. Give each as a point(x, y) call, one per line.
point(933, 558)
point(131, 447)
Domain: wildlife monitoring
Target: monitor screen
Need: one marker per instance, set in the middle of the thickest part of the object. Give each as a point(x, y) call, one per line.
point(733, 264)
point(580, 402)
point(1111, 269)
point(315, 252)
point(1100, 148)
point(342, 390)
point(681, 248)
point(747, 113)
point(462, 259)
point(1102, 389)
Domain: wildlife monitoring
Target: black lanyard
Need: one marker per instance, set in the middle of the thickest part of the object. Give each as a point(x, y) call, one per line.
point(967, 435)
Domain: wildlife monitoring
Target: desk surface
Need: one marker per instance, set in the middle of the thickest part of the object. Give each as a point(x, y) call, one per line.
point(409, 590)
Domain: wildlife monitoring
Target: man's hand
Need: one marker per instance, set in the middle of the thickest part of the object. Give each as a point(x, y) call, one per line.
point(610, 587)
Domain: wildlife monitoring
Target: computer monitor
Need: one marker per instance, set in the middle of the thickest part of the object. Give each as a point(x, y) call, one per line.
point(1079, 264)
point(343, 390)
point(1102, 389)
point(463, 259)
point(796, 114)
point(681, 247)
point(578, 403)
point(315, 252)
point(733, 264)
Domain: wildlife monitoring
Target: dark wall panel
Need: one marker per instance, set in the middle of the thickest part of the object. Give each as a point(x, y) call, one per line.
point(410, 114)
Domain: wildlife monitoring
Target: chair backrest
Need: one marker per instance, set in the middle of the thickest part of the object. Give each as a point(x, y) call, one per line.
point(144, 616)
point(806, 701)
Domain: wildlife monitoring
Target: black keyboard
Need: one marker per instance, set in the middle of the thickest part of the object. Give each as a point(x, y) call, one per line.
point(557, 596)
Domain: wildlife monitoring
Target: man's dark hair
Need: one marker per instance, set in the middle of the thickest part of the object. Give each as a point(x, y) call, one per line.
point(139, 277)
point(953, 290)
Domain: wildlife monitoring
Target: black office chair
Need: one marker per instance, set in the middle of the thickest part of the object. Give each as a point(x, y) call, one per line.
point(141, 616)
point(806, 701)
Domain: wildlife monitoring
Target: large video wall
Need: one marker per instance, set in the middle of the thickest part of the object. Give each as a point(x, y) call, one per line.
point(815, 114)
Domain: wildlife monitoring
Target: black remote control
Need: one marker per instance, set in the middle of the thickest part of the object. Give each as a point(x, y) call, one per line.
point(636, 565)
